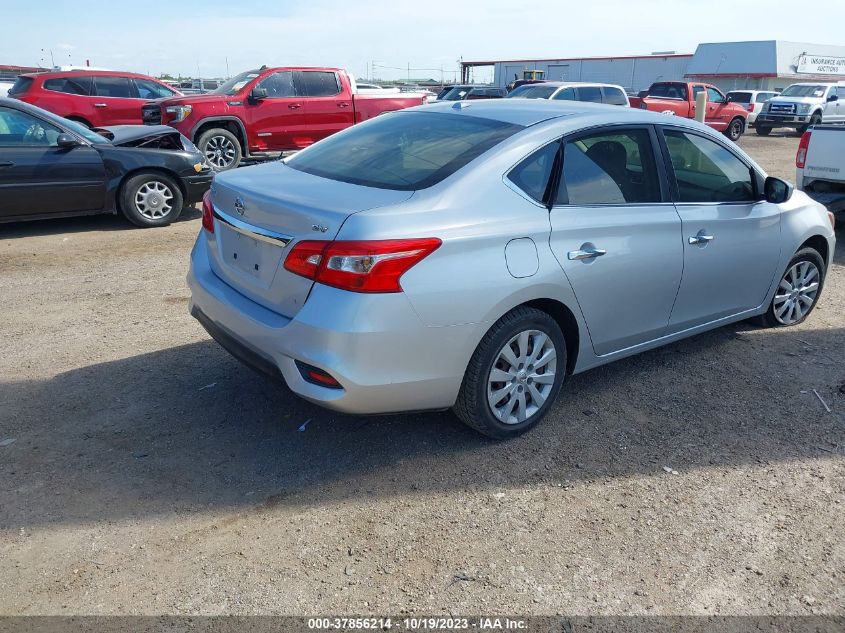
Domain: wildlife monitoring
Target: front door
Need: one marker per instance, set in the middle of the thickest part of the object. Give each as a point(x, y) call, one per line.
point(116, 101)
point(731, 238)
point(617, 237)
point(38, 178)
point(276, 122)
point(718, 114)
point(326, 109)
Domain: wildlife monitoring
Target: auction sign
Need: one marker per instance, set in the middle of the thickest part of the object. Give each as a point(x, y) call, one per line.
point(817, 65)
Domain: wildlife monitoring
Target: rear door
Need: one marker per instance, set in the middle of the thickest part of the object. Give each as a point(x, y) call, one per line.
point(277, 122)
point(731, 238)
point(39, 178)
point(116, 101)
point(328, 106)
point(617, 236)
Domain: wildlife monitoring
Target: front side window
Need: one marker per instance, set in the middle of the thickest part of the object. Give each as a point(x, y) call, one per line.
point(151, 90)
point(613, 167)
point(707, 172)
point(714, 96)
point(404, 151)
point(76, 85)
point(532, 174)
point(114, 87)
point(316, 83)
point(589, 93)
point(278, 85)
point(614, 96)
point(19, 129)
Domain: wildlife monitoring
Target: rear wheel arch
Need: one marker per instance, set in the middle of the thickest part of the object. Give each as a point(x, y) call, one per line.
point(565, 318)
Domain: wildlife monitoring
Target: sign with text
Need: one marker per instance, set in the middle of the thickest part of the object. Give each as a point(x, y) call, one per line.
point(817, 65)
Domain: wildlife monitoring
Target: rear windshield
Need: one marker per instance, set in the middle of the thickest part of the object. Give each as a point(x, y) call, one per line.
point(739, 97)
point(22, 84)
point(668, 91)
point(533, 91)
point(404, 151)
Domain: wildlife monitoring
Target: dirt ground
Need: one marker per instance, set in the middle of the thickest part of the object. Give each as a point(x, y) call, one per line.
point(151, 473)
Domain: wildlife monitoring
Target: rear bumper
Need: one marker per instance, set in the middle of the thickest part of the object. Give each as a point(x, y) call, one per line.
point(375, 346)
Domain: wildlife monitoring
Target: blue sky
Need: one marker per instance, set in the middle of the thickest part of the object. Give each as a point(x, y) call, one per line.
point(191, 36)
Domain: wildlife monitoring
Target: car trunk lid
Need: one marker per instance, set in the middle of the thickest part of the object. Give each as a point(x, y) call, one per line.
point(262, 211)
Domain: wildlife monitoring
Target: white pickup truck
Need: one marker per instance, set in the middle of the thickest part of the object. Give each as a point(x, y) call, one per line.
point(801, 105)
point(820, 166)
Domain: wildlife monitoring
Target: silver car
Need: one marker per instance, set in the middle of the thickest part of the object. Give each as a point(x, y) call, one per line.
point(473, 255)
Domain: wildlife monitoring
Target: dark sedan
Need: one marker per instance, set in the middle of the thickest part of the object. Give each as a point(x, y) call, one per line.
point(51, 167)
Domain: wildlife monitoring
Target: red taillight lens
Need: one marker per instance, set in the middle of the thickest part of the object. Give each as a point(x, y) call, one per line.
point(359, 266)
point(750, 107)
point(207, 213)
point(803, 146)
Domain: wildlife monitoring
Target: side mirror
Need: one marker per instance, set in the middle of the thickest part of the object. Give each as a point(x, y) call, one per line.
point(66, 141)
point(776, 190)
point(257, 94)
point(833, 98)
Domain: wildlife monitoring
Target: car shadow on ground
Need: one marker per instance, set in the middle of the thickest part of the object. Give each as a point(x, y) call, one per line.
point(188, 429)
point(81, 224)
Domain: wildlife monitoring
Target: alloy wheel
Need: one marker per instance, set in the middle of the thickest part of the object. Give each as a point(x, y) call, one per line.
point(220, 152)
point(153, 200)
point(522, 376)
point(796, 293)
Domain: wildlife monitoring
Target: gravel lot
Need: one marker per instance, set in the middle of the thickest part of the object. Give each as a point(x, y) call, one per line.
point(152, 473)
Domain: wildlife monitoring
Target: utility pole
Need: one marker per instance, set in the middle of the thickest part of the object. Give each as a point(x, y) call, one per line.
point(409, 72)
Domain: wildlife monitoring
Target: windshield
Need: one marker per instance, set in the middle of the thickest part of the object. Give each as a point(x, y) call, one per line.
point(804, 91)
point(533, 91)
point(404, 151)
point(456, 94)
point(84, 132)
point(236, 83)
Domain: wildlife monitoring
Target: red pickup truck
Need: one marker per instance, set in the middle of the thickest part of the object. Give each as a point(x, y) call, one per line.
point(260, 113)
point(678, 98)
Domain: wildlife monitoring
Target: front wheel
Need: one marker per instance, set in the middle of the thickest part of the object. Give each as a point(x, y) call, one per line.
point(735, 129)
point(798, 291)
point(514, 375)
point(815, 119)
point(221, 148)
point(762, 130)
point(151, 199)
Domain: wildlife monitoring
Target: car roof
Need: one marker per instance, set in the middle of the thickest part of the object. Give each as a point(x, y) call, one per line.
point(49, 74)
point(560, 84)
point(528, 112)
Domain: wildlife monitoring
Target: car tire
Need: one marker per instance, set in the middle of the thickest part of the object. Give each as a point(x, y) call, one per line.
point(527, 395)
point(808, 268)
point(762, 130)
point(151, 199)
point(815, 119)
point(735, 129)
point(221, 149)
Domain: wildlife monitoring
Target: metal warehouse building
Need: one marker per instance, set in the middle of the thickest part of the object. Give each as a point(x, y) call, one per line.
point(766, 64)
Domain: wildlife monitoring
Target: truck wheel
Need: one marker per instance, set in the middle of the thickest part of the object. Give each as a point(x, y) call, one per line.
point(735, 129)
point(762, 131)
point(150, 199)
point(815, 119)
point(221, 148)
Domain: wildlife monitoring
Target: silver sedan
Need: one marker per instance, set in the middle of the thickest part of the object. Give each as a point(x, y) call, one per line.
point(472, 256)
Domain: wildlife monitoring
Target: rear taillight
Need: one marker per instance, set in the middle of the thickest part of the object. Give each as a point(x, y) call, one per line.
point(359, 266)
point(803, 146)
point(750, 107)
point(207, 213)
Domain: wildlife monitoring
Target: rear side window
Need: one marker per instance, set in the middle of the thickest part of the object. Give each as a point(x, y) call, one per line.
point(669, 91)
point(314, 83)
point(614, 96)
point(707, 172)
point(532, 174)
point(81, 85)
point(615, 167)
point(404, 151)
point(567, 94)
point(589, 93)
point(151, 90)
point(114, 87)
point(740, 97)
point(22, 84)
point(278, 85)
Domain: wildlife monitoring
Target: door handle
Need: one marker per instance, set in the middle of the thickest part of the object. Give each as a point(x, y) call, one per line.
point(100, 105)
point(587, 253)
point(342, 104)
point(6, 163)
point(294, 106)
point(701, 238)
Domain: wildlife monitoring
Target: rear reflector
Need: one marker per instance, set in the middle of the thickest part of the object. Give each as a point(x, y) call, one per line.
point(359, 266)
point(803, 146)
point(317, 376)
point(207, 213)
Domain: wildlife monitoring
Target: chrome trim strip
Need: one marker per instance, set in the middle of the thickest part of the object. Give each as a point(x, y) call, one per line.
point(250, 230)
